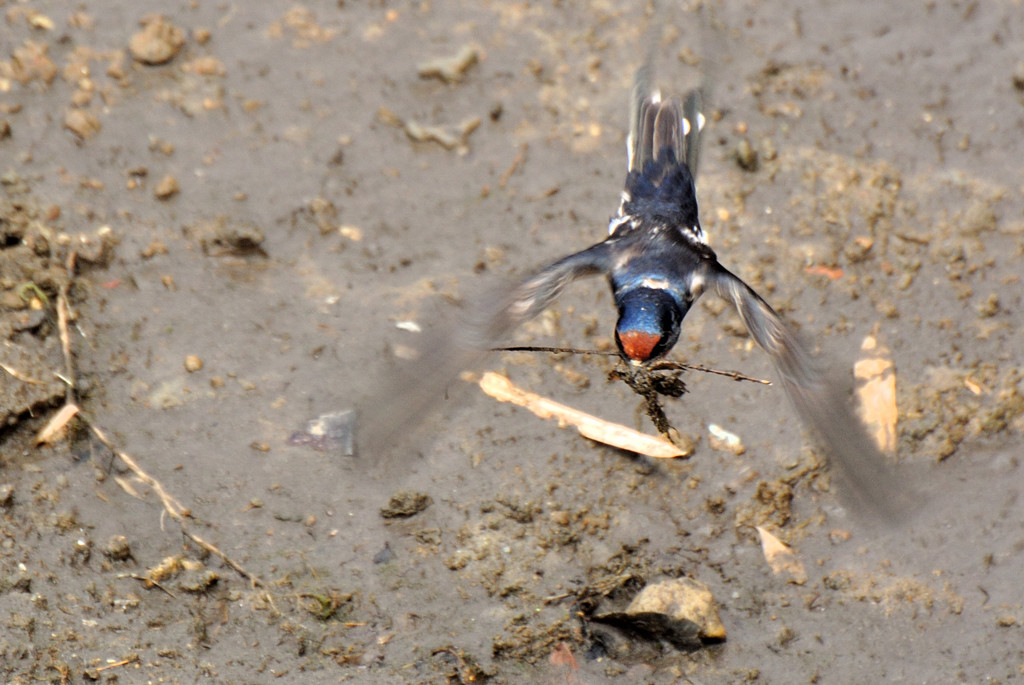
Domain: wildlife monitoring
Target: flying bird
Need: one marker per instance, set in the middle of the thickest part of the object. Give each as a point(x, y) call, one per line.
point(657, 261)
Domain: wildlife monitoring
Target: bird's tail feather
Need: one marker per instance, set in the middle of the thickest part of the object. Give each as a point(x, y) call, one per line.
point(663, 132)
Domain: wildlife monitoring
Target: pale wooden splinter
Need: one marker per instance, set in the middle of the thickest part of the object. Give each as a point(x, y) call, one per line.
point(589, 426)
point(876, 392)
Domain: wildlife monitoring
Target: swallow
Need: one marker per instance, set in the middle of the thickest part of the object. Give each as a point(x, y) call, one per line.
point(657, 261)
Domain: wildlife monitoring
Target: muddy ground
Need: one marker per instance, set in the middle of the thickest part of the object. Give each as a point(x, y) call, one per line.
point(269, 220)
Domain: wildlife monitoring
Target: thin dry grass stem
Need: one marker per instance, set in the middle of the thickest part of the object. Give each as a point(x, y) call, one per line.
point(650, 381)
point(735, 375)
point(63, 316)
point(17, 375)
point(148, 581)
point(516, 163)
point(117, 664)
point(175, 508)
point(664, 365)
point(171, 505)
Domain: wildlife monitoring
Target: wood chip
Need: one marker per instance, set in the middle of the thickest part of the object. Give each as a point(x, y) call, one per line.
point(876, 392)
point(448, 137)
point(781, 558)
point(561, 655)
point(54, 428)
point(451, 69)
point(829, 272)
point(589, 426)
point(723, 440)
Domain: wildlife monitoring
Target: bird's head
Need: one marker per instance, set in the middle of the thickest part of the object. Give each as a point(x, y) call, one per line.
point(649, 322)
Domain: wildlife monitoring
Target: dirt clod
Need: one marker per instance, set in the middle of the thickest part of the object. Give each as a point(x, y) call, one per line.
point(199, 580)
point(118, 548)
point(405, 503)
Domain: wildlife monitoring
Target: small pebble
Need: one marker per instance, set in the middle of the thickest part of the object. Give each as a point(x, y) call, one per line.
point(746, 156)
point(683, 599)
point(206, 66)
point(6, 495)
point(155, 247)
point(353, 233)
point(682, 612)
point(158, 42)
point(82, 550)
point(193, 363)
point(1018, 77)
point(167, 187)
point(560, 518)
point(82, 123)
point(723, 440)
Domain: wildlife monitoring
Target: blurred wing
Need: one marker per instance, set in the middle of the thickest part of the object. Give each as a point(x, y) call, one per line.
point(822, 402)
point(398, 405)
point(493, 318)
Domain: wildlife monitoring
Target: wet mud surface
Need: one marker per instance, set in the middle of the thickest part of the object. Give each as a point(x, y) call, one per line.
point(261, 203)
